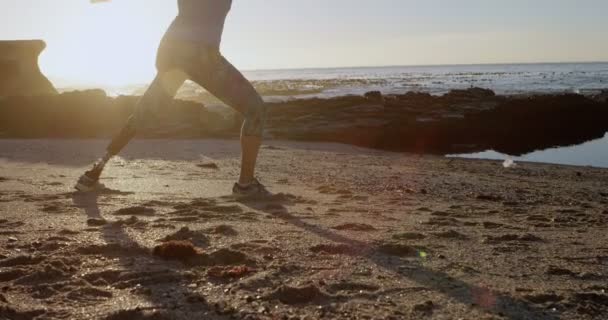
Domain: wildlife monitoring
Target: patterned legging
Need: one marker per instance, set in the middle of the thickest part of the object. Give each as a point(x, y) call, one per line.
point(178, 61)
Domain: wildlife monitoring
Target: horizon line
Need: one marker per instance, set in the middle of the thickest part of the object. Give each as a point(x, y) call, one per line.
point(88, 83)
point(428, 65)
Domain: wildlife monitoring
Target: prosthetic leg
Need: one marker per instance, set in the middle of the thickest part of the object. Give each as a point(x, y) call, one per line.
point(159, 95)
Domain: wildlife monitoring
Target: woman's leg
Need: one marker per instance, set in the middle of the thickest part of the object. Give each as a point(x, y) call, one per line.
point(214, 73)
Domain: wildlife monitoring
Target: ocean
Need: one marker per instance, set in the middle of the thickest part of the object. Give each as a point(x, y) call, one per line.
point(505, 79)
point(508, 79)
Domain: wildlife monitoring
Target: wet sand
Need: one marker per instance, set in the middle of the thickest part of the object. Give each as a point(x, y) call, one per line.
point(349, 233)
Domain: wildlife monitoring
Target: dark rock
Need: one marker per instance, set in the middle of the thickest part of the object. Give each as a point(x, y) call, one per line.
point(176, 250)
point(489, 197)
point(544, 298)
point(96, 222)
point(135, 211)
point(185, 234)
point(601, 96)
point(19, 71)
point(298, 295)
point(373, 95)
point(471, 93)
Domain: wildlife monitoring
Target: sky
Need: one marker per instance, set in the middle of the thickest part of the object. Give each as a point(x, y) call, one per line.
point(115, 43)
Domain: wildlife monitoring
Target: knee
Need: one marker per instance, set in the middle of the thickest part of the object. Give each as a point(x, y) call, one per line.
point(255, 118)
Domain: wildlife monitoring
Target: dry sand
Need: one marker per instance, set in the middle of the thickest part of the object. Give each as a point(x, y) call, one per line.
point(349, 234)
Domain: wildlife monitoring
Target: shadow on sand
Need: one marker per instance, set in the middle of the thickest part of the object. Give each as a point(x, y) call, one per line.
point(163, 283)
point(170, 297)
point(458, 290)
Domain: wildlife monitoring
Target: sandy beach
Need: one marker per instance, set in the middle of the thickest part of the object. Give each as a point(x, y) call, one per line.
point(349, 233)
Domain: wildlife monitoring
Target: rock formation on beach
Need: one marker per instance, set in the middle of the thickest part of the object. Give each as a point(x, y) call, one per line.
point(19, 70)
point(460, 121)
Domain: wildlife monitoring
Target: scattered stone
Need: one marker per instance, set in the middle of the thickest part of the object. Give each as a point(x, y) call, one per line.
point(544, 298)
point(96, 222)
point(451, 234)
point(355, 227)
point(489, 197)
point(12, 239)
point(373, 95)
point(176, 250)
point(185, 234)
point(409, 236)
point(68, 232)
point(298, 295)
point(135, 211)
point(209, 165)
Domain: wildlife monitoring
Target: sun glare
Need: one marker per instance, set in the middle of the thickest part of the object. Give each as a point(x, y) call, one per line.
point(109, 44)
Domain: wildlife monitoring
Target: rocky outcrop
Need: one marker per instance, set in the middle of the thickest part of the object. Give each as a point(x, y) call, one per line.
point(92, 114)
point(459, 122)
point(19, 70)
